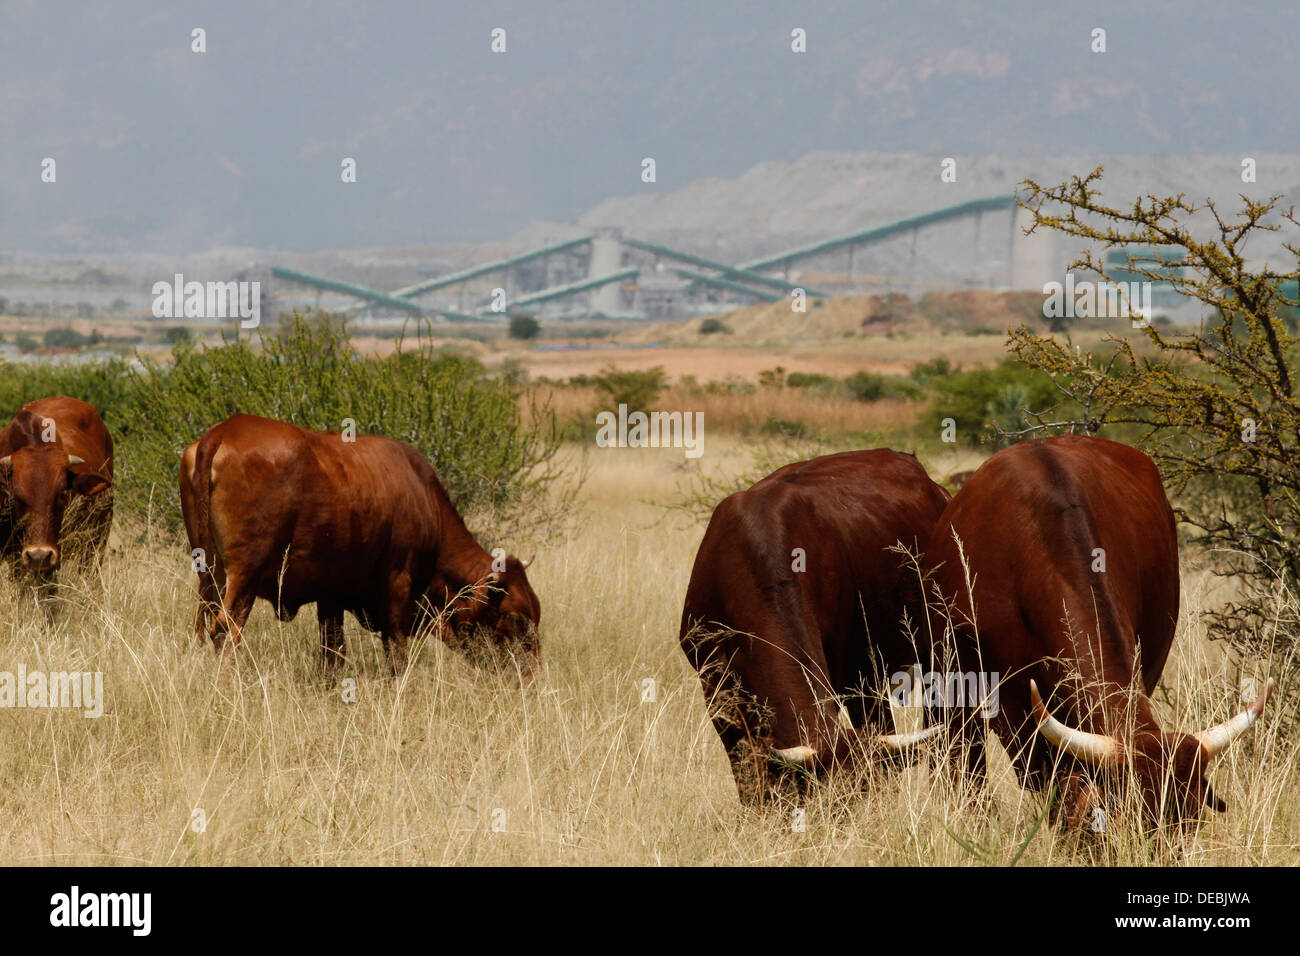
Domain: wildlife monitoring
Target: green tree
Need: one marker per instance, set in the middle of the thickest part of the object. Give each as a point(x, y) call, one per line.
point(1215, 405)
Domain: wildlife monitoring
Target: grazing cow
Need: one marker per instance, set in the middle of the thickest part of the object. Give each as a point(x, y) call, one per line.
point(792, 616)
point(359, 524)
point(54, 451)
point(1068, 547)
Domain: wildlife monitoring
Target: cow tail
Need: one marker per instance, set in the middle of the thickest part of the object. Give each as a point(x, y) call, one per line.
point(207, 451)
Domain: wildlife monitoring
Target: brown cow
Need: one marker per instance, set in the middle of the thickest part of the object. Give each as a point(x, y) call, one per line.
point(792, 615)
point(1069, 548)
point(53, 449)
point(294, 516)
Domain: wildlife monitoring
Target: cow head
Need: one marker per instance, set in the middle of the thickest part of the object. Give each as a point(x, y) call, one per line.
point(1170, 768)
point(496, 619)
point(38, 481)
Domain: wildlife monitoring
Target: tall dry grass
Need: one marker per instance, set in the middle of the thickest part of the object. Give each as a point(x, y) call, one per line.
point(590, 765)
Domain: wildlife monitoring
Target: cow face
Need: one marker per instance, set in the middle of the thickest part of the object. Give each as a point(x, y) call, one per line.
point(37, 482)
point(496, 622)
point(1171, 772)
point(1170, 768)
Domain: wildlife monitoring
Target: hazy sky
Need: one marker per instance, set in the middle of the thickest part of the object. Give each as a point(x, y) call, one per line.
point(161, 149)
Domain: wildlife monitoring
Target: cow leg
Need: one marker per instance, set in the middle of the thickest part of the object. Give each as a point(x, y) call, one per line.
point(398, 622)
point(230, 620)
point(205, 615)
point(103, 524)
point(749, 764)
point(728, 708)
point(333, 651)
point(739, 724)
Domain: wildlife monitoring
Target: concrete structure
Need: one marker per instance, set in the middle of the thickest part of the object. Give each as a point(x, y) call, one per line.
point(606, 259)
point(612, 273)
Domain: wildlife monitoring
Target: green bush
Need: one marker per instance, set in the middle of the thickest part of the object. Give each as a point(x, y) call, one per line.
point(637, 389)
point(467, 423)
point(866, 386)
point(104, 385)
point(524, 327)
point(924, 372)
point(64, 339)
point(714, 327)
point(808, 380)
point(985, 399)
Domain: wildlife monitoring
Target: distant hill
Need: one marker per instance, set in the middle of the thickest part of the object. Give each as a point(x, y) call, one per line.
point(774, 205)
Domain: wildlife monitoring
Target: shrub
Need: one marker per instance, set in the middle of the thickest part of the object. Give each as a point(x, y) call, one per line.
point(808, 380)
point(637, 389)
point(866, 386)
point(468, 424)
point(524, 327)
point(104, 385)
point(986, 401)
point(714, 327)
point(924, 372)
point(64, 339)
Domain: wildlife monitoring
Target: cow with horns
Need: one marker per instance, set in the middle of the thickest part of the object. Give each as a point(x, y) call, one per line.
point(793, 616)
point(1058, 565)
point(54, 452)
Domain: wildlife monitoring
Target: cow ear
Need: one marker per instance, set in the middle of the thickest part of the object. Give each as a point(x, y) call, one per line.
point(1213, 801)
point(89, 484)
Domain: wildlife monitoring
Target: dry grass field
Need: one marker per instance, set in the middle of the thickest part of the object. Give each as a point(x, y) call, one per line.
point(197, 762)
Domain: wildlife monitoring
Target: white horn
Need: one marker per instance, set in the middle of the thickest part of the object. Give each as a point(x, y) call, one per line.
point(1217, 739)
point(7, 461)
point(75, 460)
point(1099, 750)
point(901, 743)
point(529, 562)
point(795, 756)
